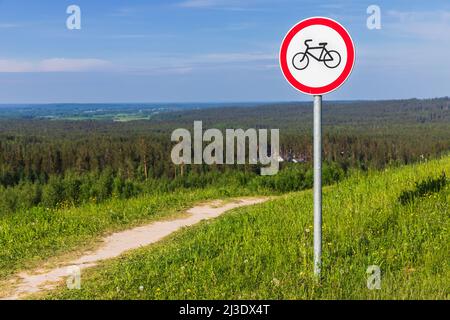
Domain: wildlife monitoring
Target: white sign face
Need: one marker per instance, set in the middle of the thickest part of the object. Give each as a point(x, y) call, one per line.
point(317, 56)
point(325, 57)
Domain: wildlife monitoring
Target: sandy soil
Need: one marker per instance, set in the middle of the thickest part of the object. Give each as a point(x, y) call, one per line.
point(118, 243)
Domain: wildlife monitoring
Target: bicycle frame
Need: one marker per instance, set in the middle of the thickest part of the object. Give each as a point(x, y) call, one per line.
point(331, 58)
point(327, 57)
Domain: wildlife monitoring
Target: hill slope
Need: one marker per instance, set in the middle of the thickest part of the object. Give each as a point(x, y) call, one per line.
point(265, 251)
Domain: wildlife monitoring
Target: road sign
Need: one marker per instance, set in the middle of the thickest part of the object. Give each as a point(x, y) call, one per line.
point(317, 56)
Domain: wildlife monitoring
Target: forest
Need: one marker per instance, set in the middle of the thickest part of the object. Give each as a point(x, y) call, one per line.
point(59, 162)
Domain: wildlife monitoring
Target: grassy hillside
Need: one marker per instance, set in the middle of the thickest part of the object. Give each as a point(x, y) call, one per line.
point(265, 251)
point(29, 238)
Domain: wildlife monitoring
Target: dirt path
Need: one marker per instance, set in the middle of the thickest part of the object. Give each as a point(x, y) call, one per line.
point(118, 243)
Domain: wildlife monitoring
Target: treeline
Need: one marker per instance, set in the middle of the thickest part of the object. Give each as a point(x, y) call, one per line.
point(35, 158)
point(73, 189)
point(69, 190)
point(356, 134)
point(47, 162)
point(298, 116)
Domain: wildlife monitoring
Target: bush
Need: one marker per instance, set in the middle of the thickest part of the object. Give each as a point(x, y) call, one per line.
point(296, 177)
point(422, 189)
point(8, 200)
point(53, 192)
point(103, 187)
point(72, 189)
point(29, 194)
point(331, 173)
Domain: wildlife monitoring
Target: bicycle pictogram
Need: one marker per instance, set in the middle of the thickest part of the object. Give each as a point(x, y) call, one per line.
point(331, 58)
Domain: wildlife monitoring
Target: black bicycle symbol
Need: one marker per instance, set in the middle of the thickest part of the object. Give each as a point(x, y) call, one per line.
point(331, 58)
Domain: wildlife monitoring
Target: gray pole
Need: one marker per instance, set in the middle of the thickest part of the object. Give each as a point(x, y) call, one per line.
point(317, 184)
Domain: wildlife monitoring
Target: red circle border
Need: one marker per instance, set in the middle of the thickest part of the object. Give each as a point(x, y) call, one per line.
point(347, 69)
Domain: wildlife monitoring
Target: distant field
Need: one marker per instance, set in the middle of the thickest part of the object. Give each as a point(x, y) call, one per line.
point(265, 251)
point(100, 111)
point(283, 115)
point(119, 117)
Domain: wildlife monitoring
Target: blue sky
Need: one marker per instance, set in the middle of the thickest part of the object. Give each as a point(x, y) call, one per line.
point(210, 50)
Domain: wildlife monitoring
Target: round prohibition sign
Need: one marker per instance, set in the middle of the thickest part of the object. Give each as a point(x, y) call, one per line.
point(317, 56)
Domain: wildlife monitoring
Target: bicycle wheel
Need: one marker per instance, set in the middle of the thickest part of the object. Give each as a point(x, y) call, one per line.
point(335, 59)
point(300, 61)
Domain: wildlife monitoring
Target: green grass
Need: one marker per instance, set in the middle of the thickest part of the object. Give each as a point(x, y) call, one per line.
point(30, 237)
point(265, 251)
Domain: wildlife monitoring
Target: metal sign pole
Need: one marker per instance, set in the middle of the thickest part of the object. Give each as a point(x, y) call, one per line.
point(317, 184)
point(317, 82)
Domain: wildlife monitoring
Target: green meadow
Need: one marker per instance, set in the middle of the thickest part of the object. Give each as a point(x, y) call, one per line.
point(265, 251)
point(29, 238)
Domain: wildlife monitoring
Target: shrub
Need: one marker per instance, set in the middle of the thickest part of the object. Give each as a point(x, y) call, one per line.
point(422, 189)
point(53, 192)
point(72, 189)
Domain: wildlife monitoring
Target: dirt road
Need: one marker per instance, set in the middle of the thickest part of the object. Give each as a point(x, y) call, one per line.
point(118, 243)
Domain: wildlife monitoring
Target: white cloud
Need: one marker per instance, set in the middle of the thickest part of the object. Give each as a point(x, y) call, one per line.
point(53, 65)
point(8, 25)
point(153, 64)
point(231, 5)
point(217, 60)
point(418, 41)
point(406, 57)
point(181, 64)
point(235, 57)
point(153, 71)
point(71, 65)
point(203, 3)
point(15, 66)
point(138, 36)
point(431, 25)
point(123, 12)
